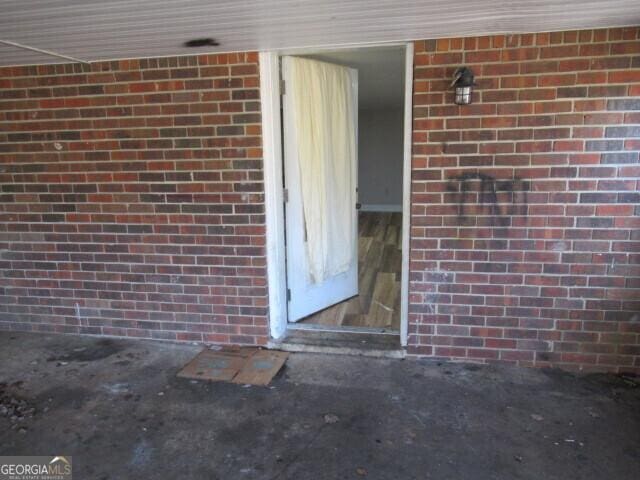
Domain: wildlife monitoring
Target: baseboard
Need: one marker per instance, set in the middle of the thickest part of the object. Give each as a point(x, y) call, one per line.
point(381, 208)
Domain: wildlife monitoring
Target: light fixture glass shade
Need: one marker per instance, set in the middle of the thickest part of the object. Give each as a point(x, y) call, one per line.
point(463, 95)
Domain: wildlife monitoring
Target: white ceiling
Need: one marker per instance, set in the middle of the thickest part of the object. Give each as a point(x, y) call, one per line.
point(380, 74)
point(109, 29)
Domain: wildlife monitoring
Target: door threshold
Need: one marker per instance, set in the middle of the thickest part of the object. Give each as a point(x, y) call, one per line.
point(317, 327)
point(354, 342)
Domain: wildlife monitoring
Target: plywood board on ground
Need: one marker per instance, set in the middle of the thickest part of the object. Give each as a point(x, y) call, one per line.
point(261, 367)
point(245, 365)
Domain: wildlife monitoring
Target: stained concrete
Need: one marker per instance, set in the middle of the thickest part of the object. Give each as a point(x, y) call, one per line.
point(118, 408)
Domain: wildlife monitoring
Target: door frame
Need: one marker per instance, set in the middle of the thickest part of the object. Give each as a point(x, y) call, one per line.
point(274, 189)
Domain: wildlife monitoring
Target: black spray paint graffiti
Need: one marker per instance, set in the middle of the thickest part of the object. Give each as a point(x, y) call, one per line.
point(479, 194)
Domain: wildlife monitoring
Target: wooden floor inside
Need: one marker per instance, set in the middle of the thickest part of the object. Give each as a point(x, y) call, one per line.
point(377, 304)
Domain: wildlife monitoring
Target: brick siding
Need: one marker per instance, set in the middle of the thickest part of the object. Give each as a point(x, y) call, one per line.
point(131, 199)
point(525, 237)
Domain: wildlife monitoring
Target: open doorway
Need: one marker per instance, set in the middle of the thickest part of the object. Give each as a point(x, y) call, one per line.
point(369, 293)
point(374, 302)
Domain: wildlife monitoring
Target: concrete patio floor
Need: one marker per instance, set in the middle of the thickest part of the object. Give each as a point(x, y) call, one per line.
point(117, 407)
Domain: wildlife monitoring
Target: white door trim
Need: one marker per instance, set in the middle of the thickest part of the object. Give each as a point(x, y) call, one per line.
point(406, 194)
point(273, 192)
point(274, 195)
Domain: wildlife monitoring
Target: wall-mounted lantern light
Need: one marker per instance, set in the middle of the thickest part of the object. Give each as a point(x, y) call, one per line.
point(463, 84)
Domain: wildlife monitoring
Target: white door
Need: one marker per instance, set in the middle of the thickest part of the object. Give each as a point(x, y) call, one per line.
point(320, 108)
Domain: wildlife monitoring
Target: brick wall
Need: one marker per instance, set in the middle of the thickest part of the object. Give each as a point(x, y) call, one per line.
point(132, 199)
point(525, 242)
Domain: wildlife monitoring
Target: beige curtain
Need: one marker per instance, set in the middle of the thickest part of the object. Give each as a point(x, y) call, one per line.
point(323, 108)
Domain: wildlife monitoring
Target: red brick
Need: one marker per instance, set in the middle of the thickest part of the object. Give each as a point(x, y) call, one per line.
point(508, 276)
point(532, 264)
point(166, 275)
point(624, 76)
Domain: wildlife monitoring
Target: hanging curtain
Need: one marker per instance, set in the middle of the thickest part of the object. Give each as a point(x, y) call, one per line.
point(323, 104)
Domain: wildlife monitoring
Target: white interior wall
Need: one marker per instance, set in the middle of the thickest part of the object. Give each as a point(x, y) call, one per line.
point(380, 122)
point(380, 155)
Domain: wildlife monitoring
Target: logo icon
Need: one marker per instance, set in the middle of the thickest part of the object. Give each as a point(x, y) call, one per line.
point(35, 468)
